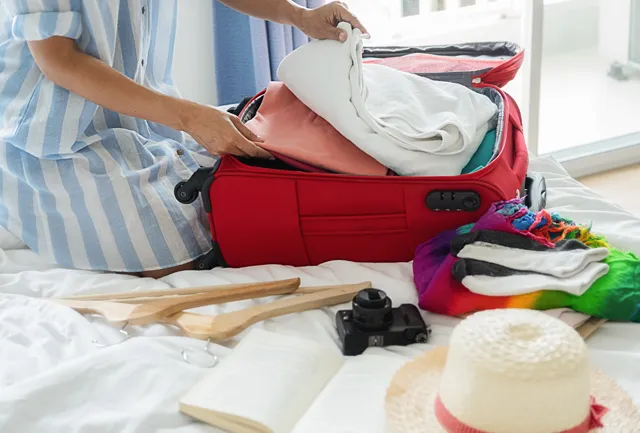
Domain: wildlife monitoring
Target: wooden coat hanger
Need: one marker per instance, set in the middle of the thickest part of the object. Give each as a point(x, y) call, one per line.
point(227, 325)
point(155, 310)
point(167, 306)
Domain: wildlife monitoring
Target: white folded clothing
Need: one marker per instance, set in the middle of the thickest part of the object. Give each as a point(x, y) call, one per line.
point(413, 125)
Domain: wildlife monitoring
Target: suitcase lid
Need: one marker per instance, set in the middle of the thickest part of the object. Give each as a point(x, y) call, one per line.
point(471, 64)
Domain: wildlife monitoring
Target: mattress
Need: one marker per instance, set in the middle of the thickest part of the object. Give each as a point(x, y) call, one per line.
point(53, 378)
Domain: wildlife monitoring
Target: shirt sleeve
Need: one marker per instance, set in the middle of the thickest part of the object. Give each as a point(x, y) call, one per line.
point(35, 20)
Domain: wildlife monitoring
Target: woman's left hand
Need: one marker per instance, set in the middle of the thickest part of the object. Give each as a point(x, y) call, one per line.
point(321, 23)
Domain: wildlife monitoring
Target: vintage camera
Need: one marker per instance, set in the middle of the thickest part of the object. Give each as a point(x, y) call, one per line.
point(373, 322)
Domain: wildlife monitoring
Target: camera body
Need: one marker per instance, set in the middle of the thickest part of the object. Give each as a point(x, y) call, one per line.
point(373, 322)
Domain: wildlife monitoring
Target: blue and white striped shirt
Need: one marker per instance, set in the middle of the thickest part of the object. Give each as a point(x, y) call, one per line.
point(81, 185)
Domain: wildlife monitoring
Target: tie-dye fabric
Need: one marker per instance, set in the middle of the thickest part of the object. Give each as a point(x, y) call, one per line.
point(615, 296)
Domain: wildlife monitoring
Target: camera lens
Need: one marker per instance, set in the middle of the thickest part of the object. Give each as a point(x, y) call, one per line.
point(372, 310)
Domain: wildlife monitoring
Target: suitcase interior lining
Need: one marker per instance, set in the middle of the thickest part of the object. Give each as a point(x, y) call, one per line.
point(498, 50)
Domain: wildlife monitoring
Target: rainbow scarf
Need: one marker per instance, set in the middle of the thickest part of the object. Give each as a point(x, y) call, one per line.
point(615, 296)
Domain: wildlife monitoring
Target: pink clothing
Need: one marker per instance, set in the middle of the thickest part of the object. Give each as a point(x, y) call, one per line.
point(292, 131)
point(453, 425)
point(429, 63)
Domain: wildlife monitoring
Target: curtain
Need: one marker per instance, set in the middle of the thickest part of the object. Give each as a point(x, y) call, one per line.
point(248, 51)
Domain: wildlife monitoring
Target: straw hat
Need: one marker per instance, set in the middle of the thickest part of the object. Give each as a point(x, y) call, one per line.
point(508, 371)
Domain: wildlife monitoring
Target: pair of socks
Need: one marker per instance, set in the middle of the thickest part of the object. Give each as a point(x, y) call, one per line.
point(494, 263)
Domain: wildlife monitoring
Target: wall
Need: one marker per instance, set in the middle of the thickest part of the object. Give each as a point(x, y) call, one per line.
point(194, 70)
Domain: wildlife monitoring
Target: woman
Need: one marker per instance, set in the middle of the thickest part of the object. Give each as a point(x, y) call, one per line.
point(94, 135)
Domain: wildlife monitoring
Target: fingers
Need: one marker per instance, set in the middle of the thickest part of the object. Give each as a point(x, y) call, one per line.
point(250, 149)
point(337, 34)
point(244, 141)
point(345, 15)
point(249, 134)
point(355, 23)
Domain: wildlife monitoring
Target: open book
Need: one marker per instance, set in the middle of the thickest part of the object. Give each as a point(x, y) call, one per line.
point(274, 383)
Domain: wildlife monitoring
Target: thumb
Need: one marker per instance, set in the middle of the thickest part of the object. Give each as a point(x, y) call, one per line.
point(249, 134)
point(336, 34)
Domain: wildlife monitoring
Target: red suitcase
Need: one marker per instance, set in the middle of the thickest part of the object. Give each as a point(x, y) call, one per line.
point(269, 213)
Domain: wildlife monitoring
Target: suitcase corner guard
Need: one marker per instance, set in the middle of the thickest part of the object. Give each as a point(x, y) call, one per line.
point(213, 259)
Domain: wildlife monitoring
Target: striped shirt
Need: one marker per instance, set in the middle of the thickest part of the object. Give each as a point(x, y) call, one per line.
point(83, 186)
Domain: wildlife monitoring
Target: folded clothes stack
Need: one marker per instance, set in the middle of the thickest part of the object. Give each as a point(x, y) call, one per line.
point(495, 263)
point(334, 113)
point(514, 258)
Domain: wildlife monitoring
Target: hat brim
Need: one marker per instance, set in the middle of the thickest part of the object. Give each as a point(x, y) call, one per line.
point(412, 393)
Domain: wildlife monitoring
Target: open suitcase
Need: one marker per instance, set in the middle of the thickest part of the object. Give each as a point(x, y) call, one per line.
point(266, 212)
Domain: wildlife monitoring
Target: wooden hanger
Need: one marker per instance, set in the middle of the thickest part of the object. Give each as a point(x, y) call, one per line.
point(154, 295)
point(167, 306)
point(121, 297)
point(227, 325)
point(154, 311)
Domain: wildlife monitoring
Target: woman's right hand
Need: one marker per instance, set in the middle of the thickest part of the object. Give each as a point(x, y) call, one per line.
point(221, 133)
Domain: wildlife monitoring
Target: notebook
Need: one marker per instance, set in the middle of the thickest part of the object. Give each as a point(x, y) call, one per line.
point(250, 392)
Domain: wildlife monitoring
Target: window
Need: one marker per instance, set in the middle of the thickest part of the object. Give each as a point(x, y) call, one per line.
point(580, 84)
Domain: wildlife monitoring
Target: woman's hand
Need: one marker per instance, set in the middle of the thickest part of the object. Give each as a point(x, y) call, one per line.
point(221, 133)
point(320, 23)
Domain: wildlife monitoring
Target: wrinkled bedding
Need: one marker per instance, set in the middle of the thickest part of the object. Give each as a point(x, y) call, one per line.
point(53, 378)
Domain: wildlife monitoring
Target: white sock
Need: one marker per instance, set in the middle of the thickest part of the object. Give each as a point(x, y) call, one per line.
point(568, 258)
point(490, 279)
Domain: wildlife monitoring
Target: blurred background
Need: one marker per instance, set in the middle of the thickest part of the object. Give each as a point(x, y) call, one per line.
point(586, 74)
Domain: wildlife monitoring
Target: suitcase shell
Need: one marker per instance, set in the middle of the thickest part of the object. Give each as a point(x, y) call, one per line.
point(261, 213)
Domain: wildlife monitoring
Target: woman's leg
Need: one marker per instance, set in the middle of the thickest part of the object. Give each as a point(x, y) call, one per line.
point(113, 211)
point(160, 273)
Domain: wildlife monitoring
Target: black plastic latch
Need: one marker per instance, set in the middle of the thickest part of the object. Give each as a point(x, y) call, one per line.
point(455, 201)
point(213, 259)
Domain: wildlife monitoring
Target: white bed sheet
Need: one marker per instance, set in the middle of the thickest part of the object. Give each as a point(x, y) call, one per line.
point(54, 379)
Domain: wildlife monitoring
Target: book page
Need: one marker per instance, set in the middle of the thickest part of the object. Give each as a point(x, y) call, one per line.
point(568, 316)
point(270, 379)
point(353, 401)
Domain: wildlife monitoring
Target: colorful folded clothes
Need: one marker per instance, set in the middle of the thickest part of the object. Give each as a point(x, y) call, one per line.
point(413, 125)
point(514, 258)
point(300, 138)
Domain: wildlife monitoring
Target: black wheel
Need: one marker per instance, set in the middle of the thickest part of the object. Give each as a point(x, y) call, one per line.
point(184, 194)
point(211, 260)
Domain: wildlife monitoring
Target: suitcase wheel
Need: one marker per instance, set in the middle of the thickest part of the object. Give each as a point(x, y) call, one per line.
point(212, 259)
point(535, 192)
point(185, 193)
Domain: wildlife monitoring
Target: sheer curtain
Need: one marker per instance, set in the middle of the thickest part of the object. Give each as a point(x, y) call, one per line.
point(248, 51)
